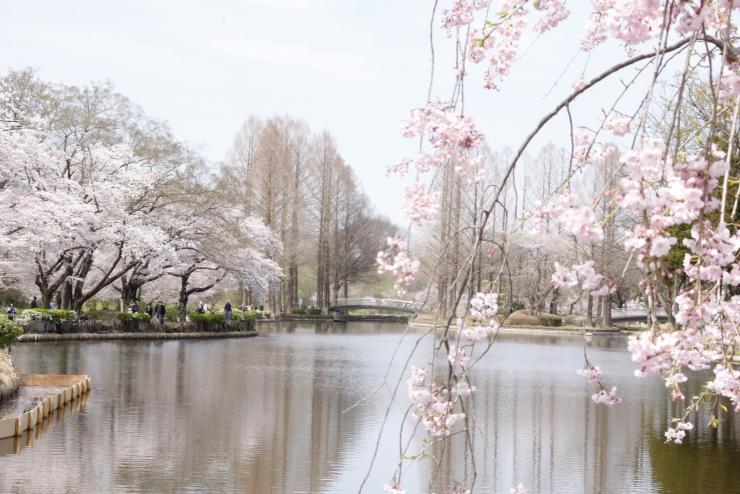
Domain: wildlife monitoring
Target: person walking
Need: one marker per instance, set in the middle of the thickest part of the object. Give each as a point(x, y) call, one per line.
point(53, 305)
point(227, 312)
point(11, 311)
point(134, 307)
point(159, 312)
point(34, 303)
point(201, 308)
point(149, 310)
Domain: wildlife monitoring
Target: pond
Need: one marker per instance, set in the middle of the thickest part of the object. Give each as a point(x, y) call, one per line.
point(268, 415)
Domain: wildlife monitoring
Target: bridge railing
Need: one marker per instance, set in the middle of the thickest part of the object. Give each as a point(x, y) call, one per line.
point(377, 302)
point(634, 313)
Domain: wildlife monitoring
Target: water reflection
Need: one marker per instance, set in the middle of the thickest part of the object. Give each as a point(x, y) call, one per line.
point(266, 415)
point(13, 445)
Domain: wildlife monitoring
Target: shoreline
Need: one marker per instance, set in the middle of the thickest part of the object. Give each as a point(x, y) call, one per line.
point(38, 337)
point(546, 331)
point(505, 330)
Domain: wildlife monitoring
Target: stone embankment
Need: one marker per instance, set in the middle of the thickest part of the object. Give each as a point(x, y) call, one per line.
point(33, 337)
point(94, 327)
point(81, 330)
point(9, 378)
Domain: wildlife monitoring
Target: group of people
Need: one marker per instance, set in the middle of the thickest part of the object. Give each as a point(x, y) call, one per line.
point(156, 312)
point(11, 311)
point(203, 308)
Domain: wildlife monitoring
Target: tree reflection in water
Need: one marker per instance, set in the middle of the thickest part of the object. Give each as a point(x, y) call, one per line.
point(266, 415)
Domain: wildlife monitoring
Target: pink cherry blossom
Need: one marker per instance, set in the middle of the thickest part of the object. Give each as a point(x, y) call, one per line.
point(726, 382)
point(618, 126)
point(453, 137)
point(592, 374)
point(554, 13)
point(420, 206)
point(519, 489)
point(396, 260)
point(579, 221)
point(457, 357)
point(678, 433)
point(461, 13)
point(583, 274)
point(393, 488)
point(607, 398)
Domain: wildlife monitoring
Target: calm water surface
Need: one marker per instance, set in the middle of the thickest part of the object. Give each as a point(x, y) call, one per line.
point(265, 415)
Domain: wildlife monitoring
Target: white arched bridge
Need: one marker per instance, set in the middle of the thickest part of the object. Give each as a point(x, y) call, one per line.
point(635, 315)
point(339, 308)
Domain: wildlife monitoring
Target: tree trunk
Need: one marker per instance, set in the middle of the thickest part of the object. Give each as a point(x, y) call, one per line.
point(182, 300)
point(554, 302)
point(606, 312)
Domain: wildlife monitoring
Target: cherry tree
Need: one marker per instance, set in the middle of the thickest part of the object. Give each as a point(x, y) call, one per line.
point(664, 181)
point(213, 241)
point(96, 195)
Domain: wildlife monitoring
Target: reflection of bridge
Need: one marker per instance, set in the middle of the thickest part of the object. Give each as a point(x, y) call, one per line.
point(341, 306)
point(635, 315)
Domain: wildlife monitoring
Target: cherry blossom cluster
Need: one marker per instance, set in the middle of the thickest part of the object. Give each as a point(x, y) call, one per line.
point(483, 306)
point(593, 376)
point(576, 220)
point(677, 434)
point(433, 403)
point(726, 382)
point(652, 352)
point(421, 205)
point(729, 86)
point(618, 125)
point(518, 489)
point(453, 138)
point(630, 21)
point(665, 194)
point(498, 41)
point(462, 13)
point(584, 274)
point(554, 13)
point(586, 149)
point(591, 373)
point(393, 488)
point(396, 260)
point(637, 21)
point(609, 398)
point(457, 358)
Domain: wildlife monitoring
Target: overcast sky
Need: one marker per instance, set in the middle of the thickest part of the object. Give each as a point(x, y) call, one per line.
point(352, 67)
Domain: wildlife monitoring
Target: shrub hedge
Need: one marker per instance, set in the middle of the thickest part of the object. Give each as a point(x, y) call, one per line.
point(9, 332)
point(57, 316)
point(208, 318)
point(312, 311)
point(243, 316)
point(133, 316)
point(550, 320)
